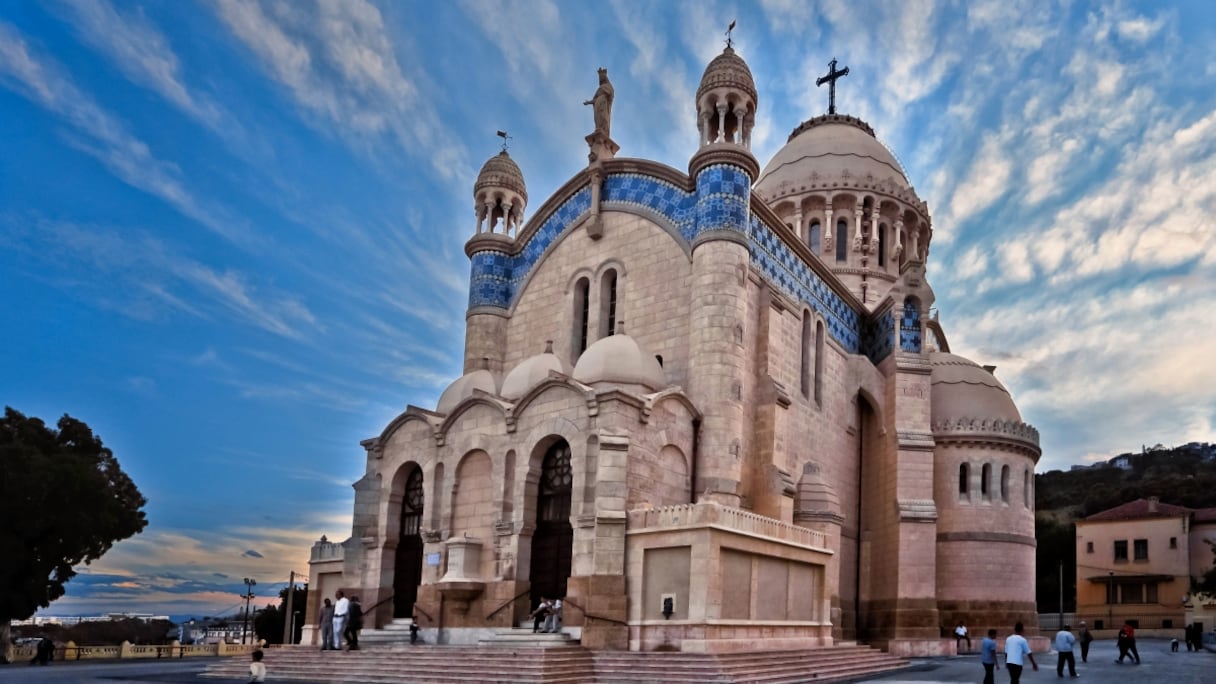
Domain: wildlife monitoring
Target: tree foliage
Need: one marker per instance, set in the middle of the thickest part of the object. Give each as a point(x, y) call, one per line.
point(64, 501)
point(103, 632)
point(268, 624)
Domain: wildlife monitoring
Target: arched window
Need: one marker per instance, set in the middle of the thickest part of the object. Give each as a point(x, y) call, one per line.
point(819, 363)
point(1026, 487)
point(985, 476)
point(842, 240)
point(1005, 484)
point(804, 375)
point(813, 237)
point(964, 479)
point(582, 290)
point(608, 303)
point(882, 244)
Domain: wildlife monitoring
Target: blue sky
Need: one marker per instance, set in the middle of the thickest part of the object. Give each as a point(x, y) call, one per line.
point(231, 232)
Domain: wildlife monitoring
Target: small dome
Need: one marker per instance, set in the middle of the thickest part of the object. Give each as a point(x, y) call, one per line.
point(827, 146)
point(500, 171)
point(727, 70)
point(962, 389)
point(463, 387)
point(619, 359)
point(531, 372)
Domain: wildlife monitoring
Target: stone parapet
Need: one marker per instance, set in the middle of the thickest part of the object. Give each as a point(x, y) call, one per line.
point(724, 518)
point(1012, 433)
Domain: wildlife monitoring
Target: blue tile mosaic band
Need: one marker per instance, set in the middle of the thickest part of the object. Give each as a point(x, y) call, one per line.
point(909, 330)
point(496, 277)
point(786, 271)
point(720, 203)
point(878, 337)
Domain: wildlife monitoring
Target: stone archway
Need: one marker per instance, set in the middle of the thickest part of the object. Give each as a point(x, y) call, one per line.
point(407, 571)
point(553, 540)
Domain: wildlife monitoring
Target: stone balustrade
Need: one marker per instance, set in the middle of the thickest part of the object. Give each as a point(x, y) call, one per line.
point(127, 650)
point(722, 517)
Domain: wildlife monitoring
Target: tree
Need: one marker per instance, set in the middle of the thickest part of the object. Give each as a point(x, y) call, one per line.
point(269, 622)
point(64, 501)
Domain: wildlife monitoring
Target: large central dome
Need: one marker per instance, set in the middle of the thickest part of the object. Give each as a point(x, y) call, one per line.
point(825, 147)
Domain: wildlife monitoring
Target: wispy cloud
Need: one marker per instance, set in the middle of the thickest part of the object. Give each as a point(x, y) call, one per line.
point(102, 136)
point(338, 62)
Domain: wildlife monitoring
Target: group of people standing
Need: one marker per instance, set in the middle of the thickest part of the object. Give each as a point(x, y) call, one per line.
point(341, 620)
point(1017, 651)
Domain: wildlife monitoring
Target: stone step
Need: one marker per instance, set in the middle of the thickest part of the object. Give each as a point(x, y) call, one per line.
point(564, 664)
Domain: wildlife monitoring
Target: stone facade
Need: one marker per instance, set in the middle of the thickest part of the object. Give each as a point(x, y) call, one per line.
point(738, 435)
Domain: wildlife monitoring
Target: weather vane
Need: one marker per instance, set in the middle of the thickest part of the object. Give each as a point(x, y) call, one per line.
point(728, 30)
point(830, 79)
point(505, 138)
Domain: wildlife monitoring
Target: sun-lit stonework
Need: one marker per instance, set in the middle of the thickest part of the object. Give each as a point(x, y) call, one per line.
point(713, 409)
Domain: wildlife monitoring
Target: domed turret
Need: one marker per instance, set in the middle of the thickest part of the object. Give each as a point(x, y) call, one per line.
point(963, 389)
point(500, 196)
point(531, 372)
point(618, 359)
point(726, 101)
point(463, 388)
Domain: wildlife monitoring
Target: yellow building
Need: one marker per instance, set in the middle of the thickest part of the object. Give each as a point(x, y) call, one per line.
point(1135, 563)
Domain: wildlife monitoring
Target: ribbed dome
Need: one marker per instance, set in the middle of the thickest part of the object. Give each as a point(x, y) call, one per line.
point(962, 389)
point(500, 171)
point(531, 372)
point(619, 359)
point(463, 387)
point(730, 71)
point(827, 146)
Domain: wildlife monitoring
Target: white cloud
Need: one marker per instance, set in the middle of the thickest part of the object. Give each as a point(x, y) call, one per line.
point(985, 181)
point(339, 63)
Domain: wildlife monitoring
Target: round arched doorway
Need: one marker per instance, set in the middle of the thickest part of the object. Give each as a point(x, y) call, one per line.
point(407, 572)
point(553, 541)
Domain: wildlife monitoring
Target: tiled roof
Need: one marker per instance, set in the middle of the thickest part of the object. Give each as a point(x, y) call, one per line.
point(1139, 509)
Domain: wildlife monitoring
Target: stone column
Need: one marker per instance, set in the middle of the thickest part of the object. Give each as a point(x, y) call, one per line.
point(827, 225)
point(721, 123)
point(857, 218)
point(798, 224)
point(506, 217)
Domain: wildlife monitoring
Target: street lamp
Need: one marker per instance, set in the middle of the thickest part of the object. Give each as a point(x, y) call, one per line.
point(249, 584)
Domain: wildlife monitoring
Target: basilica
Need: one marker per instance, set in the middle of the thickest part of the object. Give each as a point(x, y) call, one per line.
point(709, 408)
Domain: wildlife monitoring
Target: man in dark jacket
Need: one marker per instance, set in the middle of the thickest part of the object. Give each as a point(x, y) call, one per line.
point(354, 623)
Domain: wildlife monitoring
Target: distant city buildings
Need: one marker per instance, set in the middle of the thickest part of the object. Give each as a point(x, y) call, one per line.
point(1124, 461)
point(67, 621)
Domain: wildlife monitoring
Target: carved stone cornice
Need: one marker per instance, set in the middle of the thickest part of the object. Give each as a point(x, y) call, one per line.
point(993, 432)
point(917, 510)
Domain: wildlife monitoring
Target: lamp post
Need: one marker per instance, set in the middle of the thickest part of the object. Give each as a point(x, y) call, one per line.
point(1110, 600)
point(249, 584)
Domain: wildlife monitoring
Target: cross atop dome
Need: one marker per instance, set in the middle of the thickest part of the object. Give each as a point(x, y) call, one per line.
point(830, 79)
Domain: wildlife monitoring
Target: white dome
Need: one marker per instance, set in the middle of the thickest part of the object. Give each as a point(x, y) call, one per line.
point(822, 149)
point(962, 389)
point(531, 372)
point(463, 387)
point(619, 359)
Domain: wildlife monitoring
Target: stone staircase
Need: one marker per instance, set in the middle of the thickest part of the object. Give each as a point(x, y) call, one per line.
point(526, 638)
point(562, 664)
point(395, 632)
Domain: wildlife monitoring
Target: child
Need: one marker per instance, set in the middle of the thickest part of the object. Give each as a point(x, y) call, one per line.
point(257, 669)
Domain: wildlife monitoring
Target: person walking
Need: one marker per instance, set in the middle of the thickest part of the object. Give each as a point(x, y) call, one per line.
point(1086, 638)
point(1127, 644)
point(341, 612)
point(1017, 650)
point(354, 623)
point(988, 657)
point(257, 669)
point(1064, 643)
point(327, 626)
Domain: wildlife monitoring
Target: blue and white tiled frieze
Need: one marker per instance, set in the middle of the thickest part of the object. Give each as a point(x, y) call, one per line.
point(878, 337)
point(909, 330)
point(720, 203)
point(786, 271)
point(497, 276)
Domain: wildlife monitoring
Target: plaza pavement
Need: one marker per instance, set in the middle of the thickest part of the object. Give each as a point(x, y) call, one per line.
point(1157, 666)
